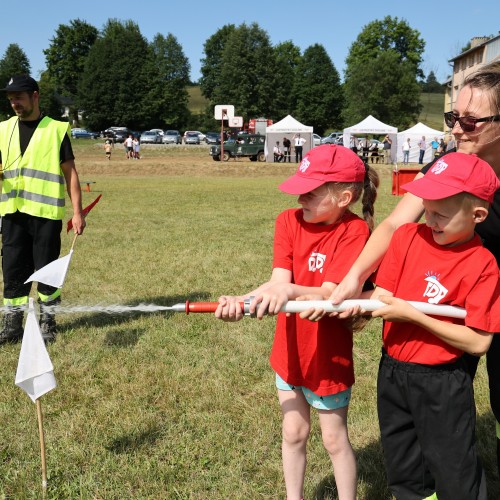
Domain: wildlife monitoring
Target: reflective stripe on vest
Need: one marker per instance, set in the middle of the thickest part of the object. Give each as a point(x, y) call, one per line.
point(33, 183)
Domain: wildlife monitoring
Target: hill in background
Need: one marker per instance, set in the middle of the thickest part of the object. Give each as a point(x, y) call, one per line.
point(431, 115)
point(432, 111)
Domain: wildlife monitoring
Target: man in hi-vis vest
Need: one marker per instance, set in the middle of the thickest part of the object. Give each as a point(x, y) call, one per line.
point(36, 160)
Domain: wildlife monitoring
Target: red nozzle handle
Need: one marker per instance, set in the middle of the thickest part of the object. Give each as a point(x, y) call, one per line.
point(203, 307)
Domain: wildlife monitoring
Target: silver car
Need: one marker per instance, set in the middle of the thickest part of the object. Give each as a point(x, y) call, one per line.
point(172, 137)
point(151, 137)
point(191, 138)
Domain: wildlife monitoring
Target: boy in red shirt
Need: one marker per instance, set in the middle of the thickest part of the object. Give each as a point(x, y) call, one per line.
point(425, 394)
point(314, 247)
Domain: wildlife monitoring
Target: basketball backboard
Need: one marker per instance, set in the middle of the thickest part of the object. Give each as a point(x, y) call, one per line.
point(223, 111)
point(236, 121)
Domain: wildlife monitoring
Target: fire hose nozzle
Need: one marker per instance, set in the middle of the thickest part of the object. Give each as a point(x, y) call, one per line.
point(298, 306)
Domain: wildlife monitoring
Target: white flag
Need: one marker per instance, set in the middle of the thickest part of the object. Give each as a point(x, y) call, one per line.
point(54, 273)
point(35, 372)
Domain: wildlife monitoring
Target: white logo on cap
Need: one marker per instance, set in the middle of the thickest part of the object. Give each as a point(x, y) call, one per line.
point(439, 167)
point(304, 164)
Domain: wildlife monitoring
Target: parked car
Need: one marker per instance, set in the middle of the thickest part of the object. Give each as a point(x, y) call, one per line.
point(201, 135)
point(172, 137)
point(316, 139)
point(214, 137)
point(150, 137)
point(81, 133)
point(118, 134)
point(191, 138)
point(331, 138)
point(159, 130)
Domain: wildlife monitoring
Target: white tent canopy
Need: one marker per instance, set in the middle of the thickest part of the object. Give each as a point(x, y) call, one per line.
point(287, 127)
point(371, 126)
point(416, 133)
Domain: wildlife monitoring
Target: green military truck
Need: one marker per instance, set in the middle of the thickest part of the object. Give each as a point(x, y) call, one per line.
point(251, 145)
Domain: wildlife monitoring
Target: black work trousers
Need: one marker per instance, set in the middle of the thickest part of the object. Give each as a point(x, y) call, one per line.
point(28, 244)
point(298, 154)
point(427, 422)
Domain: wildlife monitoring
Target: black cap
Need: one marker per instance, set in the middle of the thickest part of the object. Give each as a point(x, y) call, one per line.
point(21, 83)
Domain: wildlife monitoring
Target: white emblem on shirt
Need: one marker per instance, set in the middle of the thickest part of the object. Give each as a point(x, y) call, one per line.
point(316, 262)
point(434, 290)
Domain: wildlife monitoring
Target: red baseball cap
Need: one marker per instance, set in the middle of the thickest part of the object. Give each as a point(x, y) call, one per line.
point(326, 163)
point(456, 173)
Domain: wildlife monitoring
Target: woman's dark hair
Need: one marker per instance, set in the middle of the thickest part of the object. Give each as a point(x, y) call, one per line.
point(487, 78)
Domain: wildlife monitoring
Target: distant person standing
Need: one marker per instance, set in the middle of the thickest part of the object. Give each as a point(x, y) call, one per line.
point(387, 149)
point(108, 147)
point(435, 146)
point(136, 144)
point(406, 151)
point(353, 144)
point(421, 145)
point(287, 146)
point(451, 144)
point(441, 148)
point(129, 147)
point(299, 146)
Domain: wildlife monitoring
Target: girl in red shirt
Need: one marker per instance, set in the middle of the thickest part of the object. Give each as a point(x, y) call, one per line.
point(314, 247)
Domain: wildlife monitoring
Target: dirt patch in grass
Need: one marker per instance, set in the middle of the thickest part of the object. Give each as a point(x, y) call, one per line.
point(176, 161)
point(192, 161)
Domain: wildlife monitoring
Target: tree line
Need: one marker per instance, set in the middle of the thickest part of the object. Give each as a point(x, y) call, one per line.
point(115, 76)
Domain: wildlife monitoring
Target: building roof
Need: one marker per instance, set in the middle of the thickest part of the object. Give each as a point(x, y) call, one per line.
point(472, 49)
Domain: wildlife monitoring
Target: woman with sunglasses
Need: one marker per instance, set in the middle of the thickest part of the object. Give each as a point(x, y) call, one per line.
point(475, 123)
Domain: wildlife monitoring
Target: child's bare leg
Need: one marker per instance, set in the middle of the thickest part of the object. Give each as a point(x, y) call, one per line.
point(336, 441)
point(296, 426)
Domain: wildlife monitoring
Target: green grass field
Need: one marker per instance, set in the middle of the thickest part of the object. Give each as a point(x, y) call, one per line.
point(164, 405)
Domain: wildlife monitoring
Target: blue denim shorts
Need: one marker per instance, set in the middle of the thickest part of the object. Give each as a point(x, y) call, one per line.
point(331, 402)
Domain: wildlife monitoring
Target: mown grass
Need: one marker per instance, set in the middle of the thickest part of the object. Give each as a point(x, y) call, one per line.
point(432, 111)
point(168, 405)
point(197, 103)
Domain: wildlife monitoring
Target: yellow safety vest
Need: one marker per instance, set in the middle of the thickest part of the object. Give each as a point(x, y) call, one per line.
point(33, 182)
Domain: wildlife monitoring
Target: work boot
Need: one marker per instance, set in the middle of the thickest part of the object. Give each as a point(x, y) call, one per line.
point(48, 325)
point(12, 328)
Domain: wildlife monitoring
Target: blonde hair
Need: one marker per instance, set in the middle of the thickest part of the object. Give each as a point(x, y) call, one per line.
point(470, 201)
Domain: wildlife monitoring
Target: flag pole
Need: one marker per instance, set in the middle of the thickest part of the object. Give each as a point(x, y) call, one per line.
point(74, 241)
point(42, 445)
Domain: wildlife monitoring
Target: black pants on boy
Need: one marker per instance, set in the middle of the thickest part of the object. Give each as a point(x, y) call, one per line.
point(428, 423)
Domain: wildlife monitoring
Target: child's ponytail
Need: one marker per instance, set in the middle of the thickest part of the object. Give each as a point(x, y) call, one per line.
point(370, 185)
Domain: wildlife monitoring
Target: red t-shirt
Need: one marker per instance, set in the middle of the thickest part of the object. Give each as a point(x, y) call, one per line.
point(416, 268)
point(316, 355)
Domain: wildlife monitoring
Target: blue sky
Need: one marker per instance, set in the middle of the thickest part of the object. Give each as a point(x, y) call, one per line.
point(446, 28)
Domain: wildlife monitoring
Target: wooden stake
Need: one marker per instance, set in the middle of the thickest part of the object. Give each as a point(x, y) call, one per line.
point(42, 445)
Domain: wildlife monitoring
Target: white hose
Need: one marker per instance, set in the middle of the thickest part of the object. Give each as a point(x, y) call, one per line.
point(297, 306)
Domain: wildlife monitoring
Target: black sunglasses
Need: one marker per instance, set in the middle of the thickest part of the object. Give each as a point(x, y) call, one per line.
point(467, 123)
